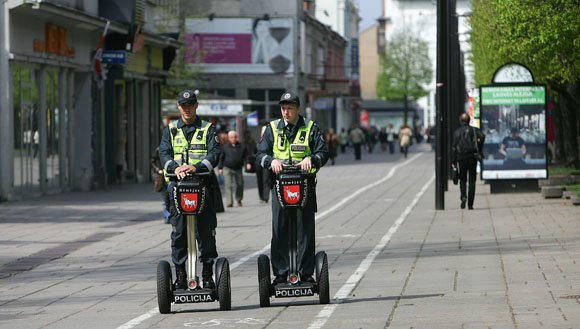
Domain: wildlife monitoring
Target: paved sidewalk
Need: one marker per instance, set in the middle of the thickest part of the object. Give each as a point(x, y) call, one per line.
point(512, 262)
point(519, 252)
point(38, 230)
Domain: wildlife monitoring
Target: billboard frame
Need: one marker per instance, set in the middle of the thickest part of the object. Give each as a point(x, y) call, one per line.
point(481, 110)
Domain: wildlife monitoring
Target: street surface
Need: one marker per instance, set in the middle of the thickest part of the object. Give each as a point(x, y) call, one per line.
point(88, 260)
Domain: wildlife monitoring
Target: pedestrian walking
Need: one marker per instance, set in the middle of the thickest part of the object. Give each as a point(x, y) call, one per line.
point(160, 185)
point(262, 176)
point(233, 157)
point(332, 141)
point(343, 137)
point(357, 137)
point(391, 136)
point(182, 154)
point(405, 135)
point(309, 151)
point(371, 138)
point(466, 151)
point(383, 139)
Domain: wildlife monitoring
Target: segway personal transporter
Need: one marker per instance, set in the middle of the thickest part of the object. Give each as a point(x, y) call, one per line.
point(292, 191)
point(189, 195)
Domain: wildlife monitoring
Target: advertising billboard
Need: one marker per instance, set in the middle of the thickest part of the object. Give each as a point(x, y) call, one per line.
point(240, 45)
point(513, 119)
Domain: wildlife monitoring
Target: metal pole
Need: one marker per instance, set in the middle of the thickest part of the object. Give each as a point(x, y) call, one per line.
point(6, 112)
point(441, 103)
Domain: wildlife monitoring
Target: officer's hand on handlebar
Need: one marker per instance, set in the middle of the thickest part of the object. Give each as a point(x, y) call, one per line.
point(184, 170)
point(305, 164)
point(276, 166)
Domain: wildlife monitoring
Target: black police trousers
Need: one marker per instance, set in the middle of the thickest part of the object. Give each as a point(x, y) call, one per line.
point(467, 167)
point(280, 246)
point(206, 223)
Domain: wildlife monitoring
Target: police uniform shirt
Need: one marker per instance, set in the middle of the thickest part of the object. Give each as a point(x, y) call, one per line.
point(316, 142)
point(213, 148)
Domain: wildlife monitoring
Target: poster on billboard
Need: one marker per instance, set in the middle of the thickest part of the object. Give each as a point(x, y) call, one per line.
point(240, 45)
point(513, 119)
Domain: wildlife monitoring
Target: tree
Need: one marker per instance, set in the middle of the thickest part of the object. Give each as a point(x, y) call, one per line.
point(405, 69)
point(544, 36)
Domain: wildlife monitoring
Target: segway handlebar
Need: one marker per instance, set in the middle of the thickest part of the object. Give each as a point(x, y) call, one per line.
point(189, 175)
point(295, 169)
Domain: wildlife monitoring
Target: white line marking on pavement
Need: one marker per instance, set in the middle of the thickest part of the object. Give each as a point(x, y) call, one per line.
point(363, 189)
point(338, 236)
point(132, 323)
point(136, 321)
point(354, 279)
point(246, 258)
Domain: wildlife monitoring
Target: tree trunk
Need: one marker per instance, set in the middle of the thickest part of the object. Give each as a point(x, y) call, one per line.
point(560, 155)
point(569, 124)
point(406, 107)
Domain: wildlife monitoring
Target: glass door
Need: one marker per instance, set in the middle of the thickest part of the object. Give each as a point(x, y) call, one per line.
point(26, 136)
point(53, 118)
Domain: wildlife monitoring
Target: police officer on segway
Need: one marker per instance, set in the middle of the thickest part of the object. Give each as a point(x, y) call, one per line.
point(190, 145)
point(299, 140)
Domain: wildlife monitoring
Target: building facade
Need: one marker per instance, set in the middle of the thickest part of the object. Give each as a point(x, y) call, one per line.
point(372, 40)
point(343, 17)
point(258, 49)
point(63, 129)
point(420, 18)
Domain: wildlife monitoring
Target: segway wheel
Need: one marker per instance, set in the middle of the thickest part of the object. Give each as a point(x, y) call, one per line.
point(264, 280)
point(322, 277)
point(224, 288)
point(164, 293)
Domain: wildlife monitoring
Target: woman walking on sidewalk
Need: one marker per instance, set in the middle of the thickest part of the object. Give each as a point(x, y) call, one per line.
point(405, 138)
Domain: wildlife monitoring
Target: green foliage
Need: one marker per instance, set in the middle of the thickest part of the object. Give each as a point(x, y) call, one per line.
point(405, 68)
point(544, 35)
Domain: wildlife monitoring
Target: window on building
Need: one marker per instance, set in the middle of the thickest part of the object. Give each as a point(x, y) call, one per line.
point(258, 95)
point(274, 97)
point(320, 61)
point(221, 92)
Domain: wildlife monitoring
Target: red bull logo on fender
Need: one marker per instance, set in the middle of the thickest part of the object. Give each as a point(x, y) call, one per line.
point(292, 194)
point(189, 201)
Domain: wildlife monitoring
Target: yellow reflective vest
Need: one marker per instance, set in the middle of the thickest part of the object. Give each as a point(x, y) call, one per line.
point(283, 150)
point(192, 152)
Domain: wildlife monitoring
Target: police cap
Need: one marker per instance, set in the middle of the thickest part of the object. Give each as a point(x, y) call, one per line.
point(186, 96)
point(289, 97)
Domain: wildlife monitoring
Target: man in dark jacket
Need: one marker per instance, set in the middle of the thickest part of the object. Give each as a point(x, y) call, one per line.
point(233, 158)
point(466, 152)
point(278, 147)
point(190, 145)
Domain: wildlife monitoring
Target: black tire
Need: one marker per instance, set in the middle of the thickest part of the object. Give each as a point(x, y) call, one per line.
point(264, 280)
point(322, 278)
point(164, 293)
point(224, 288)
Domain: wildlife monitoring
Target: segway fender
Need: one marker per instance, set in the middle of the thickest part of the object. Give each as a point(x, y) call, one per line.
point(219, 264)
point(319, 260)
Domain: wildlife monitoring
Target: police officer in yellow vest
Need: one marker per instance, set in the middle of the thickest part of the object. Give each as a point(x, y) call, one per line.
point(190, 145)
point(273, 152)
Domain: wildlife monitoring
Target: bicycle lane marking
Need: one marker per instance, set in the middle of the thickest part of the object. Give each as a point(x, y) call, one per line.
point(138, 320)
point(358, 274)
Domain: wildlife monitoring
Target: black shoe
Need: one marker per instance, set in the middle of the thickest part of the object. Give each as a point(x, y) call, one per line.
point(470, 207)
point(279, 279)
point(180, 277)
point(463, 203)
point(207, 276)
point(307, 278)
